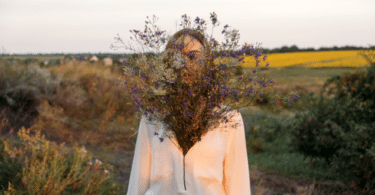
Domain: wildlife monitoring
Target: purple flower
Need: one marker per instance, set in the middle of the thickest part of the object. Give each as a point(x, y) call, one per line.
point(222, 66)
point(226, 26)
point(240, 78)
point(199, 27)
point(250, 80)
point(234, 55)
point(192, 55)
point(257, 64)
point(134, 89)
point(196, 20)
point(264, 57)
point(297, 96)
point(150, 65)
point(190, 113)
point(254, 71)
point(133, 71)
point(222, 32)
point(124, 62)
point(190, 90)
point(234, 92)
point(260, 93)
point(279, 111)
point(261, 100)
point(258, 54)
point(271, 80)
point(274, 103)
point(136, 31)
point(156, 84)
point(267, 64)
point(161, 139)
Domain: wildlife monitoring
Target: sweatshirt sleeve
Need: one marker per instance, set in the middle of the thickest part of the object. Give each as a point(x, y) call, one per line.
point(140, 172)
point(236, 168)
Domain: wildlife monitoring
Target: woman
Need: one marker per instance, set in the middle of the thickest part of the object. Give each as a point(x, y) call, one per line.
point(217, 164)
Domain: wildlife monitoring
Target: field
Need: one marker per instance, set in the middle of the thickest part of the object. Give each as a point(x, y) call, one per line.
point(90, 109)
point(318, 59)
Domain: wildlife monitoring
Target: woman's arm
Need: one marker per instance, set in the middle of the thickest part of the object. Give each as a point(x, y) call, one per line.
point(140, 173)
point(236, 167)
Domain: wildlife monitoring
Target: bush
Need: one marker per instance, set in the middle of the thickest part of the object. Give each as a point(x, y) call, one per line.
point(340, 129)
point(10, 169)
point(239, 70)
point(29, 60)
point(48, 168)
point(20, 89)
point(255, 143)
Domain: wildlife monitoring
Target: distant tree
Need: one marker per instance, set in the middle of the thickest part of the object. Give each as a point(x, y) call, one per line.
point(284, 49)
point(293, 48)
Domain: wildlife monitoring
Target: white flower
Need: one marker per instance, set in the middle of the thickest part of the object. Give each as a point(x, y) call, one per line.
point(98, 161)
point(83, 150)
point(106, 171)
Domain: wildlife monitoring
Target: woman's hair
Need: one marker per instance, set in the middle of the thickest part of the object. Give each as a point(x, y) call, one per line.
point(173, 44)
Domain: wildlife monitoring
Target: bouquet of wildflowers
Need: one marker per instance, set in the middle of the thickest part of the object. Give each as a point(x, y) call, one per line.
point(187, 84)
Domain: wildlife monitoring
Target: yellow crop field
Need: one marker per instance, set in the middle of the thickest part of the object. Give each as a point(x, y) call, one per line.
point(310, 60)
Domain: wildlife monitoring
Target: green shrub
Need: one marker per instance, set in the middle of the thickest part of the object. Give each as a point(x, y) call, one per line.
point(239, 70)
point(29, 60)
point(10, 169)
point(340, 129)
point(255, 143)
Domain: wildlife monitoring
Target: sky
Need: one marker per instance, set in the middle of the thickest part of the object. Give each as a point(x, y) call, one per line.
point(74, 26)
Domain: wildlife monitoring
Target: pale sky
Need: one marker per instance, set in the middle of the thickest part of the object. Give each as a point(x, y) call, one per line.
point(49, 26)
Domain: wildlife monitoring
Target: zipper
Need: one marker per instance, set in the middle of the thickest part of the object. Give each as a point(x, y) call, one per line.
point(184, 174)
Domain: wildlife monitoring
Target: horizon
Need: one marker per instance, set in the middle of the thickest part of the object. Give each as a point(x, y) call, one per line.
point(119, 53)
point(79, 26)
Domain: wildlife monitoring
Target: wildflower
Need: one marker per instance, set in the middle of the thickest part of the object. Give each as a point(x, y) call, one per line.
point(254, 71)
point(196, 20)
point(258, 54)
point(106, 171)
point(274, 103)
point(98, 161)
point(267, 64)
point(192, 55)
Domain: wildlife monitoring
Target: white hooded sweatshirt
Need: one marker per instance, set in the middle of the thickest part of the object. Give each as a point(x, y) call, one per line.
point(217, 164)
